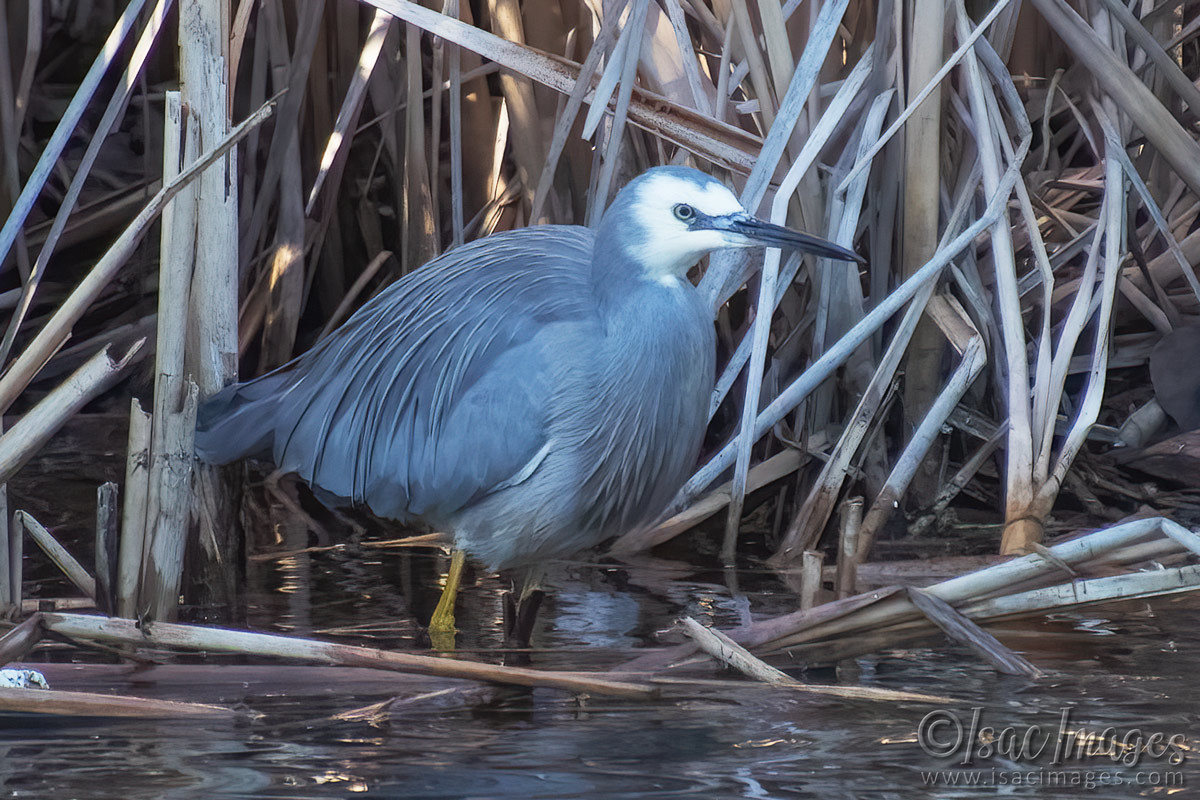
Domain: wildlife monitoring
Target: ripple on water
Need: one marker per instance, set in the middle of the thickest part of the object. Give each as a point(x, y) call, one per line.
point(1131, 667)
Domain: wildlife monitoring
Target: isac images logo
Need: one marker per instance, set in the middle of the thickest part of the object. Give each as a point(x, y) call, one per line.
point(1062, 754)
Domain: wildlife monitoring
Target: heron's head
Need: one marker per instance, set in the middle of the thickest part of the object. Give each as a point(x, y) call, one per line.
point(668, 218)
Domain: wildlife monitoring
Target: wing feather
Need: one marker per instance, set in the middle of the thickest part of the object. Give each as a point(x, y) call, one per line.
point(436, 391)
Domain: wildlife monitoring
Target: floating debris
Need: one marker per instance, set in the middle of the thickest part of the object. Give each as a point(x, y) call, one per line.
point(22, 679)
point(1124, 562)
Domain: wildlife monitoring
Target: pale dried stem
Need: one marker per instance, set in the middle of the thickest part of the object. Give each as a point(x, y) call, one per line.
point(131, 550)
point(56, 330)
point(59, 555)
point(114, 109)
point(23, 440)
point(53, 149)
point(793, 394)
point(765, 306)
point(1019, 490)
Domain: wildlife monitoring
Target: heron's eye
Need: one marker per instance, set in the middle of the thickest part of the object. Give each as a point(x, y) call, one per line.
point(684, 212)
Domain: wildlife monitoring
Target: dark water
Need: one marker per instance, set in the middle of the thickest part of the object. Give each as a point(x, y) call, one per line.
point(1133, 667)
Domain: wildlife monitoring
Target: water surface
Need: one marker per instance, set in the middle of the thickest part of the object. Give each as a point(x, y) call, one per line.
point(1131, 666)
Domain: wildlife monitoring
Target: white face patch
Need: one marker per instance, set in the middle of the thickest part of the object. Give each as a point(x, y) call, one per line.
point(665, 191)
point(667, 248)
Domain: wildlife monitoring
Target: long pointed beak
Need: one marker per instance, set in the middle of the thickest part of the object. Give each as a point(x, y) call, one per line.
point(761, 232)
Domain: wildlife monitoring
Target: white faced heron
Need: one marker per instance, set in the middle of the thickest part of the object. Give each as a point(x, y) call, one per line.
point(532, 393)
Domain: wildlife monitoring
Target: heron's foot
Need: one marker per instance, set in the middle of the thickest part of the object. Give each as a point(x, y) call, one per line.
point(441, 624)
point(520, 614)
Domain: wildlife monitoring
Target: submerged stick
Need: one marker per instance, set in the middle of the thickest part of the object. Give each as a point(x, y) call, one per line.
point(222, 640)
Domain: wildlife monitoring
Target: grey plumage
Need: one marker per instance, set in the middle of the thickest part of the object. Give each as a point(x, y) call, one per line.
point(532, 393)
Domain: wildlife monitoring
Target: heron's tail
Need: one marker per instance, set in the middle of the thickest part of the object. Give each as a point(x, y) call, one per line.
point(239, 420)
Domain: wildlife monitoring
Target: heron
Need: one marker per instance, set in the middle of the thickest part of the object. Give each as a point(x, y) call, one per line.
point(531, 393)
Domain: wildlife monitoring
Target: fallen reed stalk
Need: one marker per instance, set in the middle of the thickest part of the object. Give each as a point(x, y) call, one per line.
point(1033, 249)
point(91, 704)
point(219, 640)
point(890, 608)
point(1020, 587)
point(960, 628)
point(723, 649)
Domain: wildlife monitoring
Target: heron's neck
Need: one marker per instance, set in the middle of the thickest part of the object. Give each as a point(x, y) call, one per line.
point(621, 272)
point(623, 289)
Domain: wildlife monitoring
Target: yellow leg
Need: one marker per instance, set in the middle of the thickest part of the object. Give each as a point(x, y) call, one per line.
point(441, 624)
